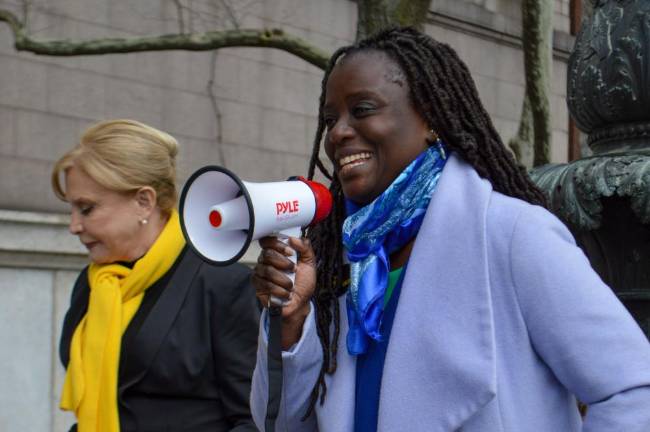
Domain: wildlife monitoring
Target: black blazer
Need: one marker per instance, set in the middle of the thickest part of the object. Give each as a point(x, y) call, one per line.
point(188, 353)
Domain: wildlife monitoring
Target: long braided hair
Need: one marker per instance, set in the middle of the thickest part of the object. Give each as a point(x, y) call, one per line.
point(444, 94)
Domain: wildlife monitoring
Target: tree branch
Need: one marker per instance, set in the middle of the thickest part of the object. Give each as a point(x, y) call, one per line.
point(208, 41)
point(16, 25)
point(535, 128)
point(522, 143)
point(231, 14)
point(377, 15)
point(537, 16)
point(179, 18)
point(215, 107)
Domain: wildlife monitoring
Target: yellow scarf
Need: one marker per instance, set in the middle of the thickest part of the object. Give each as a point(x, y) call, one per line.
point(90, 387)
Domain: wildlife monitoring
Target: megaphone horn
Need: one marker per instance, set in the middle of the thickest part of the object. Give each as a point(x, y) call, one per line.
point(221, 214)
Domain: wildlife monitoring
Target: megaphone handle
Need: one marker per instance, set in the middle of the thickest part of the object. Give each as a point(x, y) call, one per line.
point(283, 236)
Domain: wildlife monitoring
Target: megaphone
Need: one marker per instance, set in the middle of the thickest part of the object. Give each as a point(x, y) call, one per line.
point(221, 214)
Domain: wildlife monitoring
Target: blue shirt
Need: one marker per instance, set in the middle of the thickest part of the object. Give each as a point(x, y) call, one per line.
point(370, 365)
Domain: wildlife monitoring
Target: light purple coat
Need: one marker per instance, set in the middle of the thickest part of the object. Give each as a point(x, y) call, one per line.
point(500, 322)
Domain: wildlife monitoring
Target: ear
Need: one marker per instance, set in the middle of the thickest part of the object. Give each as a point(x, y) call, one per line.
point(146, 198)
point(428, 132)
point(432, 136)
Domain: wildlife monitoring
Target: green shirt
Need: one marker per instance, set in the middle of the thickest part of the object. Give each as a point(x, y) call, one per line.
point(393, 277)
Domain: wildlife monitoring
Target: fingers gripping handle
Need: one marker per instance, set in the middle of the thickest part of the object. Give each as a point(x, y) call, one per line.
point(284, 236)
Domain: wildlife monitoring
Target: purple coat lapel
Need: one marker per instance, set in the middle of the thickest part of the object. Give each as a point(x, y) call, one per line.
point(442, 343)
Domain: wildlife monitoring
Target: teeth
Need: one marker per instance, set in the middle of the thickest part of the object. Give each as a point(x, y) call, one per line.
point(353, 158)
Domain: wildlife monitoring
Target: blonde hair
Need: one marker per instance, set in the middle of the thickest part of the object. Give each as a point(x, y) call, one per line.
point(123, 156)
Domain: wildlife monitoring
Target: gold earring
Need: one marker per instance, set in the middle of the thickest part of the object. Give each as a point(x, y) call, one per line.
point(433, 137)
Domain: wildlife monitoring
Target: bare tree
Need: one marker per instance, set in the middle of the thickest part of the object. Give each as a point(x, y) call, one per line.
point(535, 123)
point(375, 14)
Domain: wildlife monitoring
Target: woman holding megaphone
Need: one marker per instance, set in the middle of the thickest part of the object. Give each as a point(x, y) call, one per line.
point(155, 339)
point(466, 305)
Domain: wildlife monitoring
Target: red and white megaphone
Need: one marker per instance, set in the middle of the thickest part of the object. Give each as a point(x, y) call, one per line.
point(221, 214)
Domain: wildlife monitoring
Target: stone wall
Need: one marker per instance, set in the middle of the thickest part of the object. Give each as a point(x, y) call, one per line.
point(39, 262)
point(486, 34)
point(266, 101)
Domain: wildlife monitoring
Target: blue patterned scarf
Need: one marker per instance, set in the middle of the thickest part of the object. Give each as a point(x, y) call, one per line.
point(373, 232)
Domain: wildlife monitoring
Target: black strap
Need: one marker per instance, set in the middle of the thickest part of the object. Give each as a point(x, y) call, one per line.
point(274, 367)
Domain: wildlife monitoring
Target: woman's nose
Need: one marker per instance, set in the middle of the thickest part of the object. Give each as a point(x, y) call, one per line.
point(340, 131)
point(75, 224)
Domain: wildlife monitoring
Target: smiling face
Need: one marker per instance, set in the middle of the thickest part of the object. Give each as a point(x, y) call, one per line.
point(107, 222)
point(373, 130)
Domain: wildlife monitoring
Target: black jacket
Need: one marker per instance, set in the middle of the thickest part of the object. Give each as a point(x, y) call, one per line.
point(188, 353)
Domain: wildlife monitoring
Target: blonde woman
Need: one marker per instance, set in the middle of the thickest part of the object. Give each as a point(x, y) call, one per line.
point(155, 339)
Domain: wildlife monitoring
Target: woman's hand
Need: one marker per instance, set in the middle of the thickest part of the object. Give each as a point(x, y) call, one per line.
point(270, 279)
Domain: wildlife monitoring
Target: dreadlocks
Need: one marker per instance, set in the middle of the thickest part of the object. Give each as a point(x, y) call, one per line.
point(444, 94)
